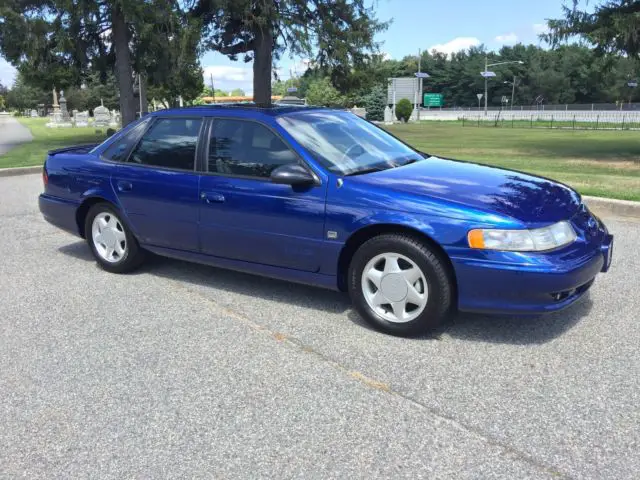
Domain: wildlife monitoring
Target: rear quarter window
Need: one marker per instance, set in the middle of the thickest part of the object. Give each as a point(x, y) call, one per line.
point(119, 150)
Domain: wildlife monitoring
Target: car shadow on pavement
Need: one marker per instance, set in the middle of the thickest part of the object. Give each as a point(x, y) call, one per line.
point(517, 330)
point(230, 281)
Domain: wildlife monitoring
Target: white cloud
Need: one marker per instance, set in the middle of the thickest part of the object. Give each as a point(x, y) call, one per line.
point(7, 73)
point(227, 77)
point(455, 45)
point(539, 28)
point(507, 38)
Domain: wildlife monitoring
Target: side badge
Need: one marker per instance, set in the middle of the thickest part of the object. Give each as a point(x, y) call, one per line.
point(332, 235)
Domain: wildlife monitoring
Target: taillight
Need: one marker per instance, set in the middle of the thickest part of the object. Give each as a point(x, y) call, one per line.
point(45, 177)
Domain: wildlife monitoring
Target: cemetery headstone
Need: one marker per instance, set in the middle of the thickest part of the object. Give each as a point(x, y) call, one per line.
point(81, 119)
point(101, 116)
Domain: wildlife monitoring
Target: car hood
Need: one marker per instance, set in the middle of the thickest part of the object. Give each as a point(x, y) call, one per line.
point(523, 197)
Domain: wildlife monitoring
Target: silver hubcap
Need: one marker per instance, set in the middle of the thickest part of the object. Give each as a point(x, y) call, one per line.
point(395, 287)
point(108, 237)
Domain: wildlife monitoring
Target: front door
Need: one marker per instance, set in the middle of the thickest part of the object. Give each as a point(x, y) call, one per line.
point(246, 217)
point(158, 185)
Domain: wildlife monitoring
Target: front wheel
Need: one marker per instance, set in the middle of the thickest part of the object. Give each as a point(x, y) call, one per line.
point(399, 285)
point(112, 244)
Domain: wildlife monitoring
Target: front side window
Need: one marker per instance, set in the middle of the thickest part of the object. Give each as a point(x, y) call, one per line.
point(345, 144)
point(120, 148)
point(239, 147)
point(169, 143)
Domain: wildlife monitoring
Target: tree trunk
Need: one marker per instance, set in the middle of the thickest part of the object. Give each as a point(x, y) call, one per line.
point(262, 62)
point(124, 72)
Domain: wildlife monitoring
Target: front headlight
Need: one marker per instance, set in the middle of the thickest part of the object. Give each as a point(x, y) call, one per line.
point(535, 240)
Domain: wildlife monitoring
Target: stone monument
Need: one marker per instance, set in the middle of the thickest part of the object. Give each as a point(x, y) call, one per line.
point(56, 107)
point(388, 114)
point(101, 116)
point(81, 119)
point(63, 108)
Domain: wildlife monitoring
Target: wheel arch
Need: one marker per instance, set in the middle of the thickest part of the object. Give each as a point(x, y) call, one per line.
point(85, 206)
point(360, 236)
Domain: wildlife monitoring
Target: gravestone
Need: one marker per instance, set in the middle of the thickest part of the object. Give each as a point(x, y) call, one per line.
point(101, 116)
point(359, 111)
point(81, 119)
point(388, 114)
point(34, 114)
point(63, 109)
point(115, 119)
point(58, 120)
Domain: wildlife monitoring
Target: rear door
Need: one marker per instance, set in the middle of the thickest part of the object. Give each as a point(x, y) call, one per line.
point(244, 216)
point(157, 186)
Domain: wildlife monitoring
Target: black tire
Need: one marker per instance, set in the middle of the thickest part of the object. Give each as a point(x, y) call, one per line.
point(435, 272)
point(133, 257)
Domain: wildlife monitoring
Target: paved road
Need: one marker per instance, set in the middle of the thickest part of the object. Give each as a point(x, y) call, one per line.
point(182, 370)
point(12, 133)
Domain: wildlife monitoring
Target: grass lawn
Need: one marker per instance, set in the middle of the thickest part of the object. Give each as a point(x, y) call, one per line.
point(600, 163)
point(44, 139)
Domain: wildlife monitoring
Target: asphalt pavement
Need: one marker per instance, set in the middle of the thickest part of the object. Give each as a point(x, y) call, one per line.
point(12, 133)
point(187, 371)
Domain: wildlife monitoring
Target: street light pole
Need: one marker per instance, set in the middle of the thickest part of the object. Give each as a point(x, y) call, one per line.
point(485, 84)
point(419, 85)
point(513, 91)
point(486, 75)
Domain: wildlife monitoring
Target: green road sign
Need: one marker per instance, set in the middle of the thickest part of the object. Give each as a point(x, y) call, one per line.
point(433, 100)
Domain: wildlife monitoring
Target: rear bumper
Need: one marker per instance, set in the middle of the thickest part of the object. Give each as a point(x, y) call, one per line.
point(59, 212)
point(533, 283)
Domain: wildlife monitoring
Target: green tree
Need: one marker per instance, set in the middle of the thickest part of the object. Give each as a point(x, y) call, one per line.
point(61, 42)
point(403, 110)
point(322, 92)
point(613, 26)
point(338, 33)
point(237, 92)
point(375, 103)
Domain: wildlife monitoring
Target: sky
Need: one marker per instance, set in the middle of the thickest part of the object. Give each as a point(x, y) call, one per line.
point(446, 26)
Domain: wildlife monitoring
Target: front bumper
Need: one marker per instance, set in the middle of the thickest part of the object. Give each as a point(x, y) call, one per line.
point(530, 283)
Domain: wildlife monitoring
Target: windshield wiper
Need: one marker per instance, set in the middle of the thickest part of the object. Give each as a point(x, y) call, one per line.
point(366, 170)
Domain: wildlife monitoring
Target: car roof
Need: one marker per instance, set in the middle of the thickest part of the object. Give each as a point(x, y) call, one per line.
point(273, 111)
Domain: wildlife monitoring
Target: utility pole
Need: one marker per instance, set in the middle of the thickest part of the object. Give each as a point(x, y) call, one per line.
point(213, 92)
point(419, 84)
point(486, 61)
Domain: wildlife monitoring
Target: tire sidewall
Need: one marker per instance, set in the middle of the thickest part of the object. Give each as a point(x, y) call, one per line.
point(439, 294)
point(128, 260)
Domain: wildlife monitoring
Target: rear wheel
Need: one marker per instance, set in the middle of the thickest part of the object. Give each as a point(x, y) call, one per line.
point(112, 244)
point(399, 285)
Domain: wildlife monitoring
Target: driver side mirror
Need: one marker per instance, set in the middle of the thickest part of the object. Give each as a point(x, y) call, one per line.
point(292, 174)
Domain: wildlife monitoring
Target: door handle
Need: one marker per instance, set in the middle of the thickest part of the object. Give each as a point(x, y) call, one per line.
point(124, 186)
point(212, 197)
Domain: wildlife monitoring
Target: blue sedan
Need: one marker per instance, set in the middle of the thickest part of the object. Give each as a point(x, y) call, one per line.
point(326, 198)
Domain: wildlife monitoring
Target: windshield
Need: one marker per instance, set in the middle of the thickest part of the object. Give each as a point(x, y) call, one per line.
point(345, 143)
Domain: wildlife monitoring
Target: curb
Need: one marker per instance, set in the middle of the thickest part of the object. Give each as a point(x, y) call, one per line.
point(11, 172)
point(609, 206)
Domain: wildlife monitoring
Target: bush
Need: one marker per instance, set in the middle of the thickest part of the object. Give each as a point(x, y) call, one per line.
point(403, 110)
point(321, 92)
point(375, 104)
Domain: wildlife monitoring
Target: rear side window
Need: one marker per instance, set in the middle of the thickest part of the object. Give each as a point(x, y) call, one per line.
point(119, 149)
point(239, 147)
point(169, 143)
